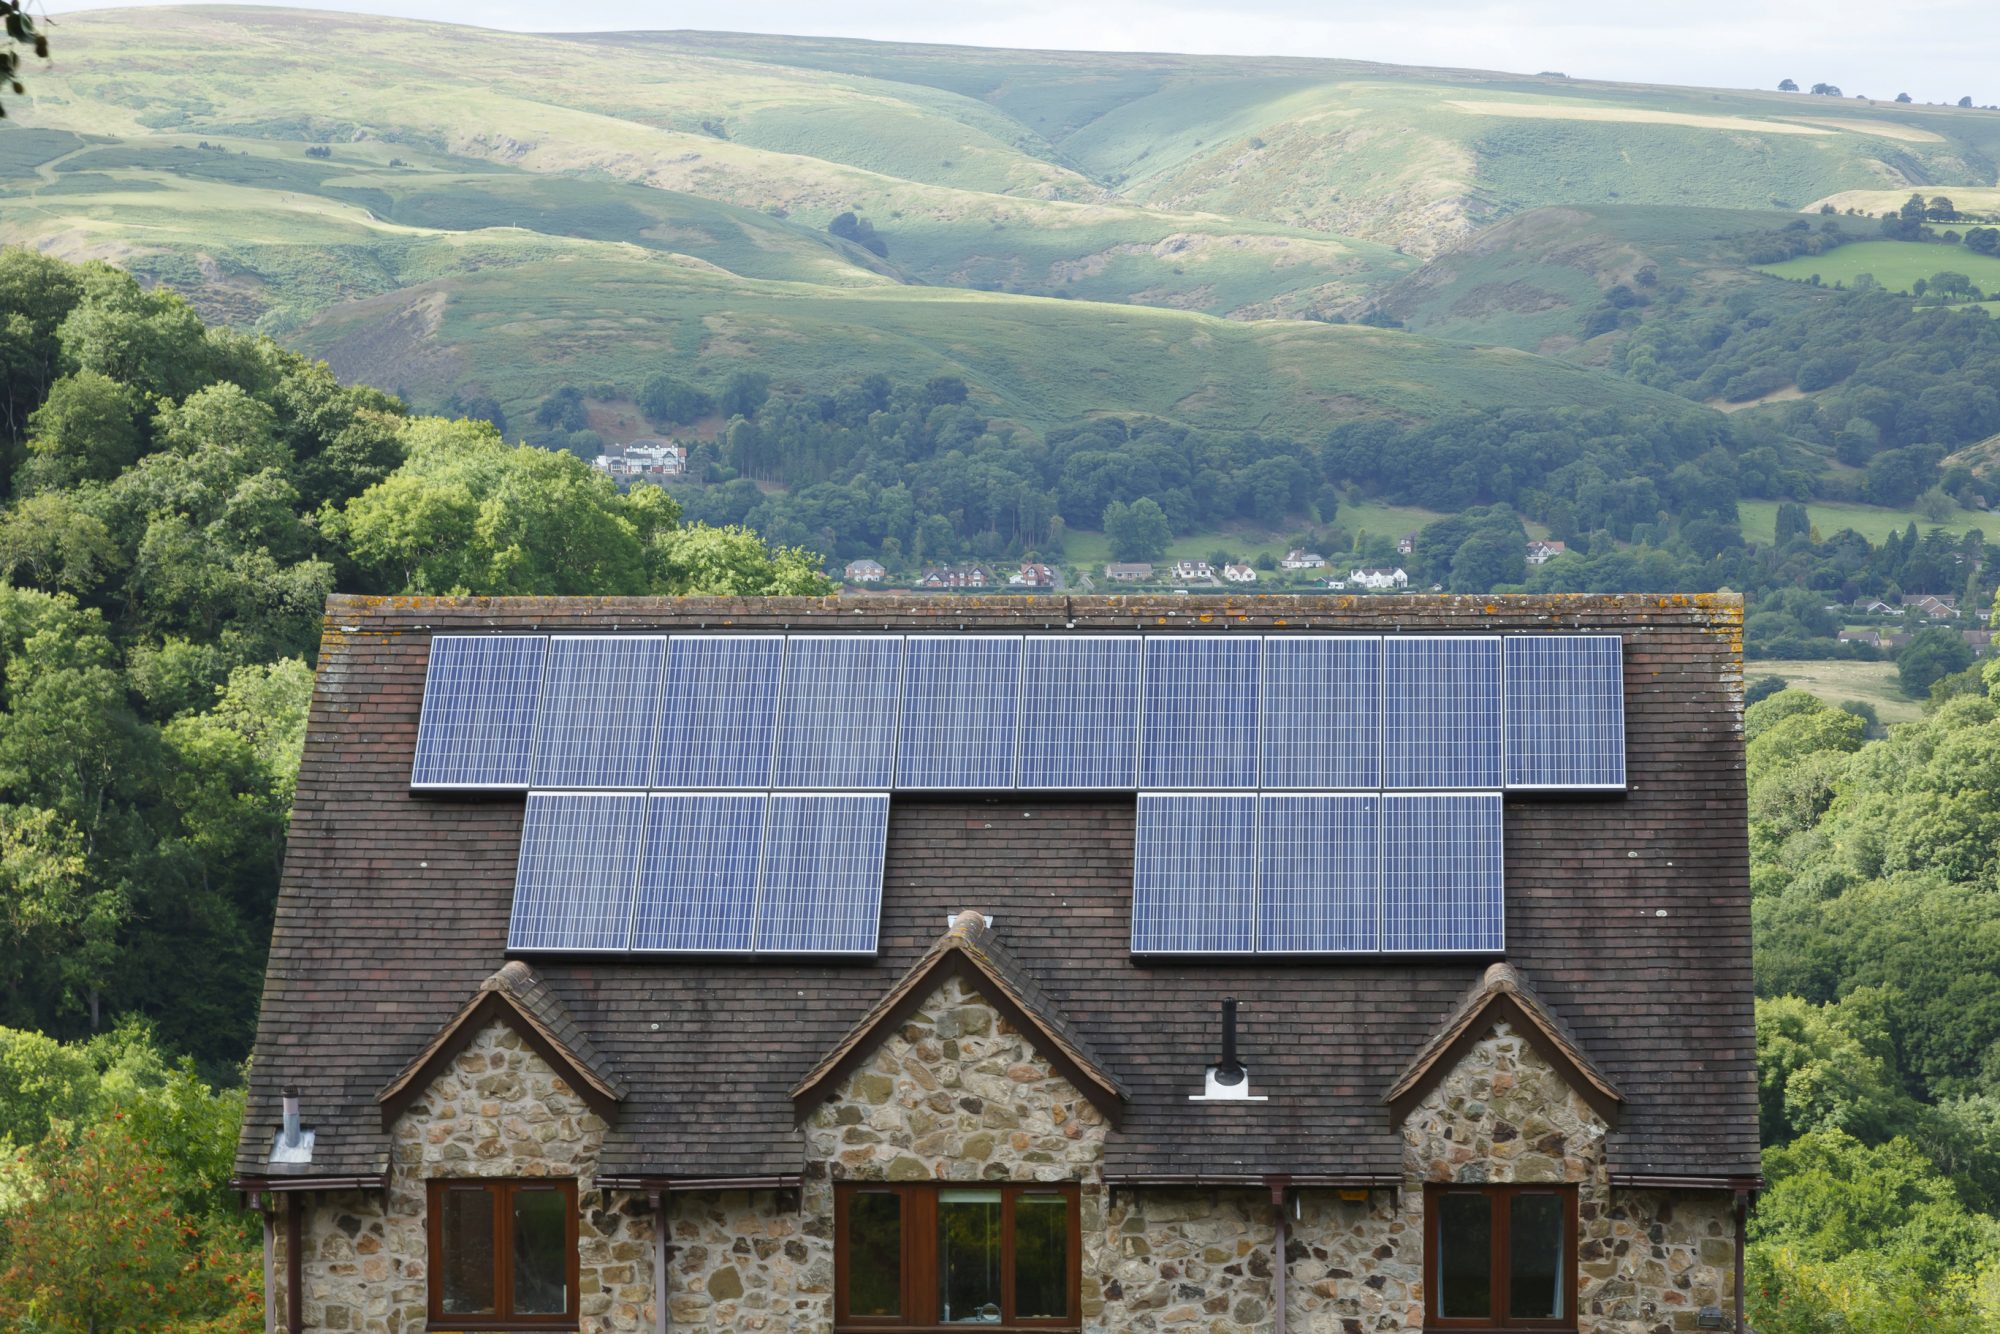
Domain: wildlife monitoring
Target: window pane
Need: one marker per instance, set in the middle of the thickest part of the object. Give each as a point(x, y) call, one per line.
point(1041, 1256)
point(969, 1256)
point(466, 1251)
point(875, 1254)
point(1535, 1268)
point(541, 1265)
point(1465, 1256)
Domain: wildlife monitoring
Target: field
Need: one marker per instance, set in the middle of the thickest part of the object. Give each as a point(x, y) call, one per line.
point(1760, 520)
point(1895, 264)
point(1835, 682)
point(1088, 550)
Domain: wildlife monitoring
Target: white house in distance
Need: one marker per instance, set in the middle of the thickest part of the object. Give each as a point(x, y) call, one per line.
point(1191, 571)
point(1379, 579)
point(1300, 559)
point(643, 458)
point(1236, 572)
point(1541, 552)
point(864, 572)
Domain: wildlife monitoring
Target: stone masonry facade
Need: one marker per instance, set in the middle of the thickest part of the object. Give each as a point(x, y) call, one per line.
point(957, 1094)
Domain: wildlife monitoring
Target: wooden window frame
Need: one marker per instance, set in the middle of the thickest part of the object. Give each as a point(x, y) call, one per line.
point(920, 1260)
point(1501, 1198)
point(502, 1191)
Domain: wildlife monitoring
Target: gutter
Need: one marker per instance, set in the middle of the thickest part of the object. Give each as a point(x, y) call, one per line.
point(653, 1185)
point(270, 1264)
point(1296, 1182)
point(250, 1185)
point(1646, 1181)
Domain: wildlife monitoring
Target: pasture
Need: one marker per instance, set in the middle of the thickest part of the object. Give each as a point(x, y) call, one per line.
point(1835, 681)
point(1759, 520)
point(1895, 264)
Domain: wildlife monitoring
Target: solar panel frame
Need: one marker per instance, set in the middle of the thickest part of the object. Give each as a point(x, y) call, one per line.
point(476, 729)
point(805, 905)
point(1443, 894)
point(961, 726)
point(1194, 873)
point(1564, 712)
point(1319, 873)
point(1441, 703)
point(599, 720)
point(1181, 745)
point(719, 711)
point(826, 740)
point(1080, 700)
point(696, 887)
point(577, 872)
point(1304, 745)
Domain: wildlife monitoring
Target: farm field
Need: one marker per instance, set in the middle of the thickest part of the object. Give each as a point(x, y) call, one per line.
point(1760, 520)
point(1872, 683)
point(1895, 264)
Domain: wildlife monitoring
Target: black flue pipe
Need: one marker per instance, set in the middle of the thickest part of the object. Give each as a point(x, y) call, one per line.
point(1229, 1070)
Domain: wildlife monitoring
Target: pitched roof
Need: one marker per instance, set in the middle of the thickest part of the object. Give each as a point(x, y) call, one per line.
point(516, 997)
point(394, 906)
point(971, 951)
point(1502, 995)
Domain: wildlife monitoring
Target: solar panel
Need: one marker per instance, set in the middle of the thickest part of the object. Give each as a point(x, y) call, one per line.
point(1442, 873)
point(1322, 712)
point(1441, 712)
point(600, 711)
point(1080, 711)
point(821, 886)
point(1319, 873)
point(698, 873)
point(837, 719)
point(961, 711)
point(478, 720)
point(574, 880)
point(1194, 873)
point(1199, 728)
point(719, 715)
point(1565, 714)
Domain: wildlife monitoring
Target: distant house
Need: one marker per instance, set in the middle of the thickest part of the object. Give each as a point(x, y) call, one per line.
point(1128, 572)
point(1979, 641)
point(1189, 571)
point(1872, 638)
point(864, 572)
point(1378, 579)
point(1541, 552)
point(1406, 545)
point(1875, 607)
point(1893, 639)
point(1299, 559)
point(642, 458)
point(1937, 606)
point(956, 576)
point(1238, 573)
point(1032, 574)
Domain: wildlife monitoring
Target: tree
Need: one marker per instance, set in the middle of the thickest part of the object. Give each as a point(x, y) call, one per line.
point(88, 428)
point(1138, 531)
point(860, 231)
point(562, 410)
point(1936, 505)
point(22, 37)
point(1983, 240)
point(667, 401)
point(1965, 101)
point(1931, 653)
point(746, 392)
point(1902, 97)
point(1941, 209)
point(1787, 86)
point(1826, 89)
point(1793, 523)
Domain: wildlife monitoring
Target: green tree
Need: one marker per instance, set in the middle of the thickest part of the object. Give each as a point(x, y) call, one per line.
point(746, 392)
point(1138, 531)
point(667, 401)
point(1932, 652)
point(88, 427)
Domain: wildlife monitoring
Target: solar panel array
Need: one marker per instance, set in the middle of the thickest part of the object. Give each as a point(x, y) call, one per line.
point(993, 712)
point(694, 873)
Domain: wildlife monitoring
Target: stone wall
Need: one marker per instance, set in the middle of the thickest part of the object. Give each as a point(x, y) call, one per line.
point(957, 1094)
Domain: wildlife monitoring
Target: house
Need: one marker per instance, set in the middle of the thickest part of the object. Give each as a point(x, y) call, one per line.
point(1875, 607)
point(1379, 579)
point(1872, 638)
point(1033, 574)
point(1979, 641)
point(642, 458)
point(1936, 606)
point(864, 572)
point(1193, 571)
point(956, 576)
point(1128, 572)
point(1406, 545)
point(1299, 559)
point(1542, 552)
point(846, 1002)
point(1238, 573)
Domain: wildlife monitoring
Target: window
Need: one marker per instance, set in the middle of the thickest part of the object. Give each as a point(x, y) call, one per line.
point(1500, 1257)
point(503, 1254)
point(928, 1256)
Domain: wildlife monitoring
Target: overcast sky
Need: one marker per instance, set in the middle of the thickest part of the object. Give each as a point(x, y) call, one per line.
point(1936, 50)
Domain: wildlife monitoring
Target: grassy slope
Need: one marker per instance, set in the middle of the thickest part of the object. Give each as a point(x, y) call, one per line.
point(1760, 520)
point(1895, 264)
point(1836, 682)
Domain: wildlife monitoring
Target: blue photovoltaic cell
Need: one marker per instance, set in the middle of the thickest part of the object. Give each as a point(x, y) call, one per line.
point(1565, 711)
point(1441, 712)
point(837, 720)
point(1080, 711)
point(821, 890)
point(719, 715)
point(1322, 724)
point(1319, 873)
point(579, 860)
point(961, 710)
point(698, 875)
point(600, 711)
point(1443, 879)
point(1194, 873)
point(1199, 728)
point(478, 723)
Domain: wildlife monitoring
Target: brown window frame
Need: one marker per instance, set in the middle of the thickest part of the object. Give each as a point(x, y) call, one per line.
point(502, 1189)
point(1501, 1262)
point(920, 1272)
